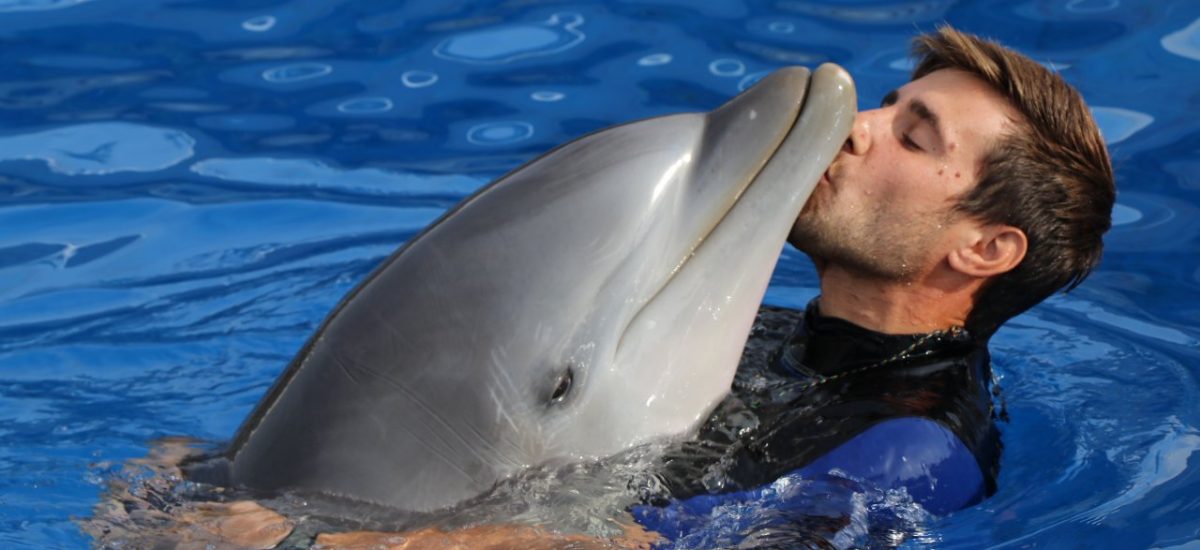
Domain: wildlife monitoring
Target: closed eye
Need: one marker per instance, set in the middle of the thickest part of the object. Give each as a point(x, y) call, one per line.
point(890, 98)
point(909, 144)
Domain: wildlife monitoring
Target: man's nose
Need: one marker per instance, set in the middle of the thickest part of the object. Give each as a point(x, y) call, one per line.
point(860, 134)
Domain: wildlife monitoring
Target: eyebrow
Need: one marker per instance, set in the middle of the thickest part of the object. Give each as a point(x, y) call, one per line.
point(920, 110)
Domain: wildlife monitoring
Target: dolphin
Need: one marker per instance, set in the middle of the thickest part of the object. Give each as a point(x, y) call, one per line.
point(594, 299)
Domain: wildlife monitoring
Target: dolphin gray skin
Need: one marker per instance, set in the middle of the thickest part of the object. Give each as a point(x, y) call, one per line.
point(594, 299)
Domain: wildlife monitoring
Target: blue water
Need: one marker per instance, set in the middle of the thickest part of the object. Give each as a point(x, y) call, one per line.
point(186, 188)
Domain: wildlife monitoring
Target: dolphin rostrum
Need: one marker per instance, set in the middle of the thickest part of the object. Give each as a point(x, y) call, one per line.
point(591, 300)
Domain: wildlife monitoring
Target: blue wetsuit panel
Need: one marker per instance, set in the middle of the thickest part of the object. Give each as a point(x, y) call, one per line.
point(939, 472)
point(922, 456)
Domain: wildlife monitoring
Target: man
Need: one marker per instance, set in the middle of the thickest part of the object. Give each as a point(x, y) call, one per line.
point(975, 191)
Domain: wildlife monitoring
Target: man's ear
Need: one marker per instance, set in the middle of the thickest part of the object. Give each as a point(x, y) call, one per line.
point(990, 250)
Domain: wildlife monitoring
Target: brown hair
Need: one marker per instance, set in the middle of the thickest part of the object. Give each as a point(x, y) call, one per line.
point(1051, 177)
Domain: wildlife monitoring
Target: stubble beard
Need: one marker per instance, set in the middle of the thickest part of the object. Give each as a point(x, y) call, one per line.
point(873, 246)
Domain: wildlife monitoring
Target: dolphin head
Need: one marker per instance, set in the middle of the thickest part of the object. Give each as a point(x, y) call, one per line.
point(594, 299)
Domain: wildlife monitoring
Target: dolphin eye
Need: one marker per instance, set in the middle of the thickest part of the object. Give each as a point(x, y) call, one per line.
point(563, 386)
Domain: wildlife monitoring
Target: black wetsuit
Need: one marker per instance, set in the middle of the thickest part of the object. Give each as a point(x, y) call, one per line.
point(910, 411)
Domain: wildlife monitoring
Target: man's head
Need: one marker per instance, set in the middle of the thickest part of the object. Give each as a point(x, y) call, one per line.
point(985, 172)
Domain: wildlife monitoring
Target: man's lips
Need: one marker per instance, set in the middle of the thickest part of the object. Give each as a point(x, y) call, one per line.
point(825, 177)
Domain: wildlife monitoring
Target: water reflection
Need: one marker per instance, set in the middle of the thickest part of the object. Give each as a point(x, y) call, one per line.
point(1119, 124)
point(547, 96)
point(727, 67)
point(500, 133)
point(655, 59)
point(297, 72)
point(44, 93)
point(365, 105)
point(37, 5)
point(886, 14)
point(752, 79)
point(418, 79)
point(1184, 42)
point(509, 43)
point(261, 23)
point(100, 148)
point(313, 173)
point(246, 122)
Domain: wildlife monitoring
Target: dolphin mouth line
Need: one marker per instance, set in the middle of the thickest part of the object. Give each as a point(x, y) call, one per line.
point(712, 228)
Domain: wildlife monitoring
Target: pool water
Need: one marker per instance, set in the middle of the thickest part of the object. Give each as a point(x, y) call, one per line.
point(186, 189)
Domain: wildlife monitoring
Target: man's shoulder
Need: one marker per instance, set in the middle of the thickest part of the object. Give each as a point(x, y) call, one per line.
point(919, 454)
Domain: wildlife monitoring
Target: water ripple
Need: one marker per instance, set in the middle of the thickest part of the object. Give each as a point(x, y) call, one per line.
point(1184, 42)
point(297, 72)
point(309, 172)
point(7, 6)
point(1117, 124)
point(889, 14)
point(101, 148)
point(510, 43)
point(499, 133)
point(727, 67)
point(547, 96)
point(365, 105)
point(655, 59)
point(262, 23)
point(418, 79)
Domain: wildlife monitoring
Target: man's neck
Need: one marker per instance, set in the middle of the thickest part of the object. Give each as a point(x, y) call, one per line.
point(929, 303)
